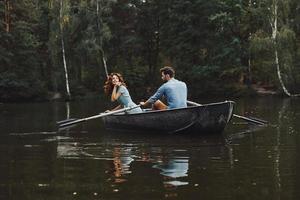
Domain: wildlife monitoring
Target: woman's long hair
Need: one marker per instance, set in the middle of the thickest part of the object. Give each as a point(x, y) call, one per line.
point(108, 85)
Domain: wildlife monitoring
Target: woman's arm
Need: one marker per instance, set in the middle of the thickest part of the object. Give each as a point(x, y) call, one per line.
point(115, 95)
point(116, 108)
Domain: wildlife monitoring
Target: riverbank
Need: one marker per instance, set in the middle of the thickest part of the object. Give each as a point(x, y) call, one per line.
point(139, 93)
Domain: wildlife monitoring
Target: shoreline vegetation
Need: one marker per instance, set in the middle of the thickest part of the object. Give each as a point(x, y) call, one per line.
point(244, 91)
point(64, 49)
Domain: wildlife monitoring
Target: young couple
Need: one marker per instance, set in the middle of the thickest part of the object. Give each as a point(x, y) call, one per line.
point(173, 90)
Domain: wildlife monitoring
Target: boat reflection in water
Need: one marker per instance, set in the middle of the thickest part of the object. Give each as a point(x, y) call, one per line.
point(173, 169)
point(170, 156)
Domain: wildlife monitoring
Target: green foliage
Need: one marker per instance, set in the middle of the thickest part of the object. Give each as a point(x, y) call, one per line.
point(287, 47)
point(262, 46)
point(260, 43)
point(20, 62)
point(212, 44)
point(15, 88)
point(204, 72)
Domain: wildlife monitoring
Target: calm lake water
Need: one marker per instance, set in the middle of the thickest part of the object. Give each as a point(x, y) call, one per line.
point(88, 162)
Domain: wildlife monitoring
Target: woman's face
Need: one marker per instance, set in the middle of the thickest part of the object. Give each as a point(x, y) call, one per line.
point(115, 79)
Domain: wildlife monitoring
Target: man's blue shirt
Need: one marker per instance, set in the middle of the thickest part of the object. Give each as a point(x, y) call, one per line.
point(175, 92)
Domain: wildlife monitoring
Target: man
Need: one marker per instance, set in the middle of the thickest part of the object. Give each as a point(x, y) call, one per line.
point(175, 91)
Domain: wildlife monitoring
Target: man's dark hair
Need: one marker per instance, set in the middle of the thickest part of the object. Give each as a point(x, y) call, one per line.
point(168, 70)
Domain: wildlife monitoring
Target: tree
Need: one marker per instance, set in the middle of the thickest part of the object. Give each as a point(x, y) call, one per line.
point(62, 22)
point(281, 39)
point(20, 69)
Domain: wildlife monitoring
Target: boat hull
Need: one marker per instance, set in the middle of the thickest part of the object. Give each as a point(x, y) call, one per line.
point(205, 118)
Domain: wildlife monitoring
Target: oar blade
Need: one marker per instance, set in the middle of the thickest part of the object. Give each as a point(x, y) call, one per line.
point(259, 120)
point(70, 123)
point(65, 121)
point(61, 128)
point(251, 120)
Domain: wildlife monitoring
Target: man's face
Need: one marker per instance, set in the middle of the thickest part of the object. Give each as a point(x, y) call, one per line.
point(163, 77)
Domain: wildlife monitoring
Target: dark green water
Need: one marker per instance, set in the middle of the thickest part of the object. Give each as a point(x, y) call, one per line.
point(88, 162)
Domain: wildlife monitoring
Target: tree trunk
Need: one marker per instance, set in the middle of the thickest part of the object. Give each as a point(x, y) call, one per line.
point(63, 50)
point(99, 22)
point(249, 75)
point(7, 18)
point(274, 26)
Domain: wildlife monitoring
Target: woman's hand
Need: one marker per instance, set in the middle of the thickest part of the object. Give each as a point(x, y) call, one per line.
point(115, 95)
point(104, 112)
point(118, 83)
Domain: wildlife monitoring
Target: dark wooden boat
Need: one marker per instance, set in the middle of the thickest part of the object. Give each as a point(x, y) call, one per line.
point(206, 118)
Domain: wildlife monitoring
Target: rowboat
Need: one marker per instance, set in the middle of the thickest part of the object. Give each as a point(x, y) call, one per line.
point(196, 118)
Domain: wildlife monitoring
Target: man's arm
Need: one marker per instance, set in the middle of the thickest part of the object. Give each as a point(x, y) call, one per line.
point(158, 94)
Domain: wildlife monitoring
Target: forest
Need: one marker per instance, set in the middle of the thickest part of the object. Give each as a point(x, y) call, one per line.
point(65, 48)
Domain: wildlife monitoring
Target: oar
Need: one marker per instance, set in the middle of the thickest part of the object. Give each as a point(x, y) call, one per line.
point(69, 122)
point(65, 121)
point(250, 119)
point(253, 120)
point(260, 120)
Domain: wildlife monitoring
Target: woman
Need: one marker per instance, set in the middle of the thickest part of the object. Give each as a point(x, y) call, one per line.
point(116, 87)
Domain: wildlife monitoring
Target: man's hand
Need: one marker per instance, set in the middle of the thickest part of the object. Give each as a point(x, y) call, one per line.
point(142, 103)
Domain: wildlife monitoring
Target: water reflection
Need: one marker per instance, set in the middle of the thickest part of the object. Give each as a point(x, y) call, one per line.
point(172, 162)
point(172, 169)
point(121, 159)
point(87, 162)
